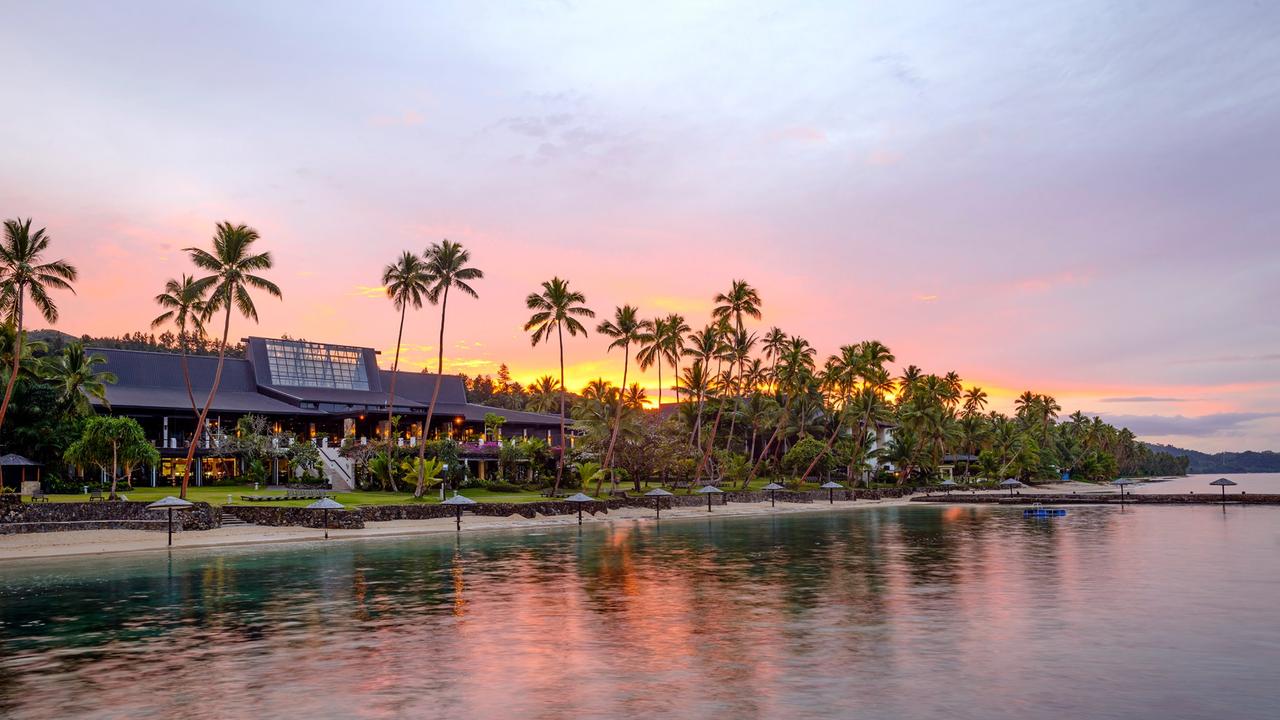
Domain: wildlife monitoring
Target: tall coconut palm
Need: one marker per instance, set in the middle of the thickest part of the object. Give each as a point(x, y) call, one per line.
point(24, 273)
point(774, 343)
point(185, 306)
point(662, 346)
point(625, 328)
point(75, 373)
point(448, 270)
point(705, 345)
point(795, 372)
point(742, 299)
point(556, 309)
point(407, 281)
point(232, 265)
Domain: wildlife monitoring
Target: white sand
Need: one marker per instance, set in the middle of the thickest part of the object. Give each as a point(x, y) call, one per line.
point(96, 542)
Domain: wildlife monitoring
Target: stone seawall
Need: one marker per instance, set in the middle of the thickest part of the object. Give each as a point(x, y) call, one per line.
point(58, 517)
point(295, 516)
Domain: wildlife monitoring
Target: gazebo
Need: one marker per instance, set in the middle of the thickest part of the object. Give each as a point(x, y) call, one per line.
point(12, 460)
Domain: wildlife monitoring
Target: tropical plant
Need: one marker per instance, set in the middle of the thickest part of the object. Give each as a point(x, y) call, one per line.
point(185, 306)
point(556, 309)
point(23, 274)
point(112, 443)
point(75, 374)
point(407, 281)
point(448, 270)
point(232, 265)
point(625, 328)
point(544, 395)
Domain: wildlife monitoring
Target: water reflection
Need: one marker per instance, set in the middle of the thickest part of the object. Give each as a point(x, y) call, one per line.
point(959, 612)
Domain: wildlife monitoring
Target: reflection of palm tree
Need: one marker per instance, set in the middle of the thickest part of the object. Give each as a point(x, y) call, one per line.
point(185, 306)
point(406, 282)
point(232, 264)
point(23, 274)
point(556, 309)
point(625, 328)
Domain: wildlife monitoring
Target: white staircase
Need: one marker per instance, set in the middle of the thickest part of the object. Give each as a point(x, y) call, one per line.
point(337, 470)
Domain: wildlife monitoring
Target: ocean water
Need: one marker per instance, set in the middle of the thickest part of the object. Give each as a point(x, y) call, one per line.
point(916, 612)
point(1245, 482)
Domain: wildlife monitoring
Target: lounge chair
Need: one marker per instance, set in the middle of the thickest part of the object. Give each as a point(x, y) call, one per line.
point(96, 495)
point(39, 496)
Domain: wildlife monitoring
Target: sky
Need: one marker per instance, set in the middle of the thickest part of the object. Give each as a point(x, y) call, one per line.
point(1076, 198)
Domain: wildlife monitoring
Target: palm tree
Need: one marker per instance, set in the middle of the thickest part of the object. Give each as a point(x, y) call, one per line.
point(975, 401)
point(232, 264)
point(704, 346)
point(407, 281)
point(23, 273)
point(774, 343)
point(795, 371)
point(625, 328)
point(185, 306)
point(544, 393)
point(556, 309)
point(74, 372)
point(447, 269)
point(742, 299)
point(663, 345)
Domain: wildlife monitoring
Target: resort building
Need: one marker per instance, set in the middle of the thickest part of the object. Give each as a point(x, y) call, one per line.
point(317, 391)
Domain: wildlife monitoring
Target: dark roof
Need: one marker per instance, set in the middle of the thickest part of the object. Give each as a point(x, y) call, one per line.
point(153, 380)
point(419, 386)
point(339, 396)
point(475, 413)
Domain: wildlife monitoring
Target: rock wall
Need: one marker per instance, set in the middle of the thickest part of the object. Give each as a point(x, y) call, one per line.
point(295, 516)
point(56, 517)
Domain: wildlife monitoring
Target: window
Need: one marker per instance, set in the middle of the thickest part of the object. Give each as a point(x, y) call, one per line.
point(304, 364)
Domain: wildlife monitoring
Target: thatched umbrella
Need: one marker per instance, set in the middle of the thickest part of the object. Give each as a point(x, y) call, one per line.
point(657, 494)
point(1011, 484)
point(580, 499)
point(831, 486)
point(16, 460)
point(1224, 484)
point(773, 488)
point(170, 503)
point(459, 502)
point(949, 485)
point(1122, 483)
point(709, 490)
point(325, 504)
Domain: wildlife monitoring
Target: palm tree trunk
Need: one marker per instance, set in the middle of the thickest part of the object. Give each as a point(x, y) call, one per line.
point(617, 423)
point(560, 462)
point(186, 372)
point(830, 441)
point(395, 369)
point(764, 452)
point(435, 393)
point(213, 391)
point(17, 355)
point(115, 473)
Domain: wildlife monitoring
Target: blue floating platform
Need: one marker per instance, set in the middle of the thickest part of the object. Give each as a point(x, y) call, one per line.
point(1043, 512)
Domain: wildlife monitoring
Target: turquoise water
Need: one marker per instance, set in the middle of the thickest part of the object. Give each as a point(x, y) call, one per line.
point(961, 612)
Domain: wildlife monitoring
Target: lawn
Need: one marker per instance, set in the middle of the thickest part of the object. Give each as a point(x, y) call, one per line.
point(218, 495)
point(222, 494)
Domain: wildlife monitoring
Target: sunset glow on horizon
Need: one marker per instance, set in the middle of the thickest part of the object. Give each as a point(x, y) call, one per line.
point(1089, 215)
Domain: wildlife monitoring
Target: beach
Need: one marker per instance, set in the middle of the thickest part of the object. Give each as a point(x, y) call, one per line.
point(99, 542)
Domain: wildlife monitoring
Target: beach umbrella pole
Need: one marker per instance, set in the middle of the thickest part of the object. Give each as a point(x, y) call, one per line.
point(459, 518)
point(708, 502)
point(170, 527)
point(326, 524)
point(579, 513)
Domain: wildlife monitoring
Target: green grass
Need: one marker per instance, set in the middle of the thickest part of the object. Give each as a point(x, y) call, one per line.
point(217, 495)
